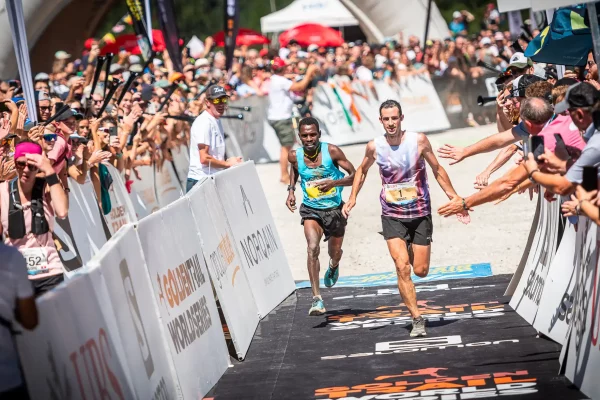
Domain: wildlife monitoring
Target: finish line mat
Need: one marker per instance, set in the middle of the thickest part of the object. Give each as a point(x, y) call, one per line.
point(477, 347)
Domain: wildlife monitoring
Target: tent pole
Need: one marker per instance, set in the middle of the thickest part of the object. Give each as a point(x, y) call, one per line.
point(593, 14)
point(427, 22)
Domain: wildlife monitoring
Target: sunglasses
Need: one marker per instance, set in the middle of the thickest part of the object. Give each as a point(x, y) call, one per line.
point(221, 100)
point(22, 164)
point(50, 137)
point(45, 108)
point(5, 142)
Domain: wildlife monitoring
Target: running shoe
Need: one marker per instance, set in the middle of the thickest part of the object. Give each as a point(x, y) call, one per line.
point(418, 328)
point(331, 276)
point(318, 308)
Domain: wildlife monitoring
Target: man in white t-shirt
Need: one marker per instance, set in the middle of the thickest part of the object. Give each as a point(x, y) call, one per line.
point(280, 109)
point(207, 141)
point(17, 303)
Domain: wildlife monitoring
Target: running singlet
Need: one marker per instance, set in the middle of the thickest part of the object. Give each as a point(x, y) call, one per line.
point(405, 191)
point(313, 197)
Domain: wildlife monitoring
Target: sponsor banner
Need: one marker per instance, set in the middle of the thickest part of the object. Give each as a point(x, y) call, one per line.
point(434, 384)
point(232, 18)
point(136, 12)
point(168, 25)
point(168, 188)
point(143, 195)
point(255, 235)
point(528, 292)
point(441, 287)
point(391, 279)
point(535, 225)
point(400, 316)
point(556, 303)
point(122, 271)
point(420, 344)
point(122, 211)
point(224, 265)
point(186, 304)
point(583, 353)
point(71, 354)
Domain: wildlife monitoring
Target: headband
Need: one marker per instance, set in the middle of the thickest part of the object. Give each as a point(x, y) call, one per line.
point(27, 148)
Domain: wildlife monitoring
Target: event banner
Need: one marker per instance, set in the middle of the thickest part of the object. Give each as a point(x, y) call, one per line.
point(528, 293)
point(168, 25)
point(232, 11)
point(224, 265)
point(71, 354)
point(122, 271)
point(122, 211)
point(143, 193)
point(136, 11)
point(556, 304)
point(255, 235)
point(181, 161)
point(186, 304)
point(583, 352)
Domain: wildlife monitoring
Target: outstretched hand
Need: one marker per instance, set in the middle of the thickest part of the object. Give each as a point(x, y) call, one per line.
point(452, 152)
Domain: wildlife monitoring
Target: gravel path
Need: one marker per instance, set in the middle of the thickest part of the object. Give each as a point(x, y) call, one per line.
point(497, 233)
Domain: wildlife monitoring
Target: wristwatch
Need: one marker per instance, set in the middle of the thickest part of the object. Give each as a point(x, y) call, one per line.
point(531, 175)
point(290, 187)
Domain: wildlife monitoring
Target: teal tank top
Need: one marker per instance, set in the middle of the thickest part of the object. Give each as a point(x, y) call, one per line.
point(312, 196)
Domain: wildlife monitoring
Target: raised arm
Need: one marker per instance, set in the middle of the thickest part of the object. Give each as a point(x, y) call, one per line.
point(490, 143)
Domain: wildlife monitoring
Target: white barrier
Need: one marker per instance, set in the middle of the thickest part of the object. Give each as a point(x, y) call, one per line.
point(122, 211)
point(121, 270)
point(255, 234)
point(225, 265)
point(168, 187)
point(143, 195)
point(188, 312)
point(181, 162)
point(528, 292)
point(70, 355)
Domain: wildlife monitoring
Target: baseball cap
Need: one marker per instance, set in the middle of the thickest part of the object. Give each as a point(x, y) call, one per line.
point(62, 55)
point(292, 42)
point(263, 52)
point(484, 41)
point(136, 68)
point(314, 47)
point(216, 91)
point(278, 63)
point(581, 94)
point(65, 115)
point(518, 60)
point(114, 68)
point(521, 83)
point(498, 36)
point(133, 59)
point(456, 14)
point(201, 62)
point(42, 76)
point(163, 83)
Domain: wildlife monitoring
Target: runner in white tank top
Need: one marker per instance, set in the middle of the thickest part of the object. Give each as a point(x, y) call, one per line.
point(405, 201)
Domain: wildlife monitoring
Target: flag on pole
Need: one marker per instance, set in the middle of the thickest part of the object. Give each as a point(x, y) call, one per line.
point(231, 31)
point(168, 25)
point(16, 19)
point(139, 26)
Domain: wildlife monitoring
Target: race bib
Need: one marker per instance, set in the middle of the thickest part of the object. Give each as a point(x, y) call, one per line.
point(314, 192)
point(400, 193)
point(36, 259)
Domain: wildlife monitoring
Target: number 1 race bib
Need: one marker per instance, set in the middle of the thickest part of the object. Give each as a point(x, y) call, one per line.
point(400, 193)
point(314, 192)
point(36, 259)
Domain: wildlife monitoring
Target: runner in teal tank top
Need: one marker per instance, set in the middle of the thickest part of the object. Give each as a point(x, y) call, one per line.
point(317, 164)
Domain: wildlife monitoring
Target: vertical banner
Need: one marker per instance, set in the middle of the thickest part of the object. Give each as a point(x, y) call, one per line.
point(14, 11)
point(148, 14)
point(231, 30)
point(122, 211)
point(514, 23)
point(168, 25)
point(137, 17)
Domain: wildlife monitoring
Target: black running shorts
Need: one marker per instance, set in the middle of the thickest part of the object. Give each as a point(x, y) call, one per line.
point(412, 230)
point(331, 220)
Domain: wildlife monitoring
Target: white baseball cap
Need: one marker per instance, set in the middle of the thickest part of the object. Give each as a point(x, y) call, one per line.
point(518, 60)
point(456, 14)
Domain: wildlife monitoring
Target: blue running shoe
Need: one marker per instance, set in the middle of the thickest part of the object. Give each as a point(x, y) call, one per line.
point(331, 276)
point(318, 308)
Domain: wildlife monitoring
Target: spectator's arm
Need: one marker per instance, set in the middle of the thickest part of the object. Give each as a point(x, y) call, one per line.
point(554, 183)
point(500, 187)
point(503, 156)
point(303, 84)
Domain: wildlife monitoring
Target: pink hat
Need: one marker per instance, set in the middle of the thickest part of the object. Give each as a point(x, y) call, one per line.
point(24, 148)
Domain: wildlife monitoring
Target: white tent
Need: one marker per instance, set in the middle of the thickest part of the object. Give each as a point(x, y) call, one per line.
point(324, 12)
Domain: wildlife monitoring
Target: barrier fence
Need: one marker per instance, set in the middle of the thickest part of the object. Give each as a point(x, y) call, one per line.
point(429, 104)
point(137, 316)
point(556, 290)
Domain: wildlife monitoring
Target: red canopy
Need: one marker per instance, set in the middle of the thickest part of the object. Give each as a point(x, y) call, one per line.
point(129, 43)
point(245, 36)
point(307, 34)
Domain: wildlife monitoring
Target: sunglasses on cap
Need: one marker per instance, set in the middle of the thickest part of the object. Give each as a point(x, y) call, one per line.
point(220, 100)
point(50, 137)
point(22, 164)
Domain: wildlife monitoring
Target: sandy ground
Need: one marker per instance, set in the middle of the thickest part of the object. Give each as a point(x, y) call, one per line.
point(497, 233)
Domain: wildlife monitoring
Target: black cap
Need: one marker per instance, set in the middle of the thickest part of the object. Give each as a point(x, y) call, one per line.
point(581, 94)
point(524, 82)
point(65, 115)
point(292, 42)
point(216, 91)
point(565, 82)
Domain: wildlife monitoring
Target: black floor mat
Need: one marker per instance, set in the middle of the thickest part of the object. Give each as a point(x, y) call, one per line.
point(477, 347)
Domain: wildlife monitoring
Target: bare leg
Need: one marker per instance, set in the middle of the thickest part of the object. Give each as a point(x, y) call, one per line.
point(335, 250)
point(420, 260)
point(399, 253)
point(283, 164)
point(313, 233)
